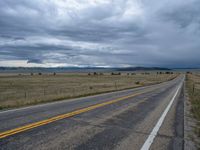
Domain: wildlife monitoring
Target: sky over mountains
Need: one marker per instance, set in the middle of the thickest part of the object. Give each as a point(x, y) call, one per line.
point(108, 33)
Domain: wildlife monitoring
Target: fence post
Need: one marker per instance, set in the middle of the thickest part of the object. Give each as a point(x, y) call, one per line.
point(73, 92)
point(115, 86)
point(44, 92)
point(25, 94)
point(193, 88)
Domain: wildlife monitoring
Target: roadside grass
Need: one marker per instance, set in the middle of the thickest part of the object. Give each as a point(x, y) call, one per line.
point(27, 89)
point(193, 88)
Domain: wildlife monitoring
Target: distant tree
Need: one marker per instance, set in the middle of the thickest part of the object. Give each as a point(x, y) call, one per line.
point(31, 74)
point(119, 73)
point(167, 72)
point(39, 73)
point(95, 73)
point(137, 82)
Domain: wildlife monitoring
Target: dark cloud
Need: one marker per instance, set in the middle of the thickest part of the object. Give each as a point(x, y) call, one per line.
point(101, 33)
point(37, 61)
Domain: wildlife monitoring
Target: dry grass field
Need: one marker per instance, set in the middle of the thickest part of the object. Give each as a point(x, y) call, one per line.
point(193, 88)
point(19, 90)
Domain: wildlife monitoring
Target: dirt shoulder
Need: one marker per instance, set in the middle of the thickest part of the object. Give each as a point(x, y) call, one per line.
point(191, 113)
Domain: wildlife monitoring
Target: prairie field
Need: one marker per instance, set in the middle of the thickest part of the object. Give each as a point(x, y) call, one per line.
point(193, 88)
point(25, 89)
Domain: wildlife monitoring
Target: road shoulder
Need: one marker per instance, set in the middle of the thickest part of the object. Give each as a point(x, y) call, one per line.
point(189, 124)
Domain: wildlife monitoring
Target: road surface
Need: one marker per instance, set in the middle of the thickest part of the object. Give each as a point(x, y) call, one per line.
point(148, 117)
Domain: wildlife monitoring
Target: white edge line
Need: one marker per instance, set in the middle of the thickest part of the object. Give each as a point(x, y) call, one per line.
point(155, 130)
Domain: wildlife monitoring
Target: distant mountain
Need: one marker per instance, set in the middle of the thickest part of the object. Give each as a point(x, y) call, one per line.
point(76, 69)
point(55, 69)
point(142, 69)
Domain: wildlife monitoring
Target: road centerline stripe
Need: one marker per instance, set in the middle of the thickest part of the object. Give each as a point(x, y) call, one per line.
point(156, 128)
point(63, 116)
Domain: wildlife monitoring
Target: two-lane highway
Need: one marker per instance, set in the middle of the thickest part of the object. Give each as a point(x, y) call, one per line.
point(143, 118)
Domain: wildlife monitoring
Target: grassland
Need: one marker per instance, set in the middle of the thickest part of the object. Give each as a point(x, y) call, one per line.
point(20, 90)
point(193, 88)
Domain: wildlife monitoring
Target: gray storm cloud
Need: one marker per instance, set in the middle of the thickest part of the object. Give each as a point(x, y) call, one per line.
point(108, 33)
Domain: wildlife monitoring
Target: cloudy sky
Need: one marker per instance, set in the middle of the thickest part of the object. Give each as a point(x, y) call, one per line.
point(109, 33)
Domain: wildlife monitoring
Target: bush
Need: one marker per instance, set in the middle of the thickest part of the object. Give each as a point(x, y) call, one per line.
point(137, 82)
point(119, 73)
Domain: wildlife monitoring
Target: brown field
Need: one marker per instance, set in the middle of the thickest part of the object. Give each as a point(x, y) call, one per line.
point(193, 88)
point(19, 90)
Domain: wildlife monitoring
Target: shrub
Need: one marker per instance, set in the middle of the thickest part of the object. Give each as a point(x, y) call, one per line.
point(119, 73)
point(137, 82)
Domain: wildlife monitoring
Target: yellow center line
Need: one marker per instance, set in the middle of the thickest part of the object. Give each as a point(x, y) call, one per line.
point(63, 116)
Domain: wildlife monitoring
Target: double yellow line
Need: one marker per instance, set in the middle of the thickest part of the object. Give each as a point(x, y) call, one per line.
point(63, 116)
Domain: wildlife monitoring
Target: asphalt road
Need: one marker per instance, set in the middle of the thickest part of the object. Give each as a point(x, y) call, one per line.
point(143, 118)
